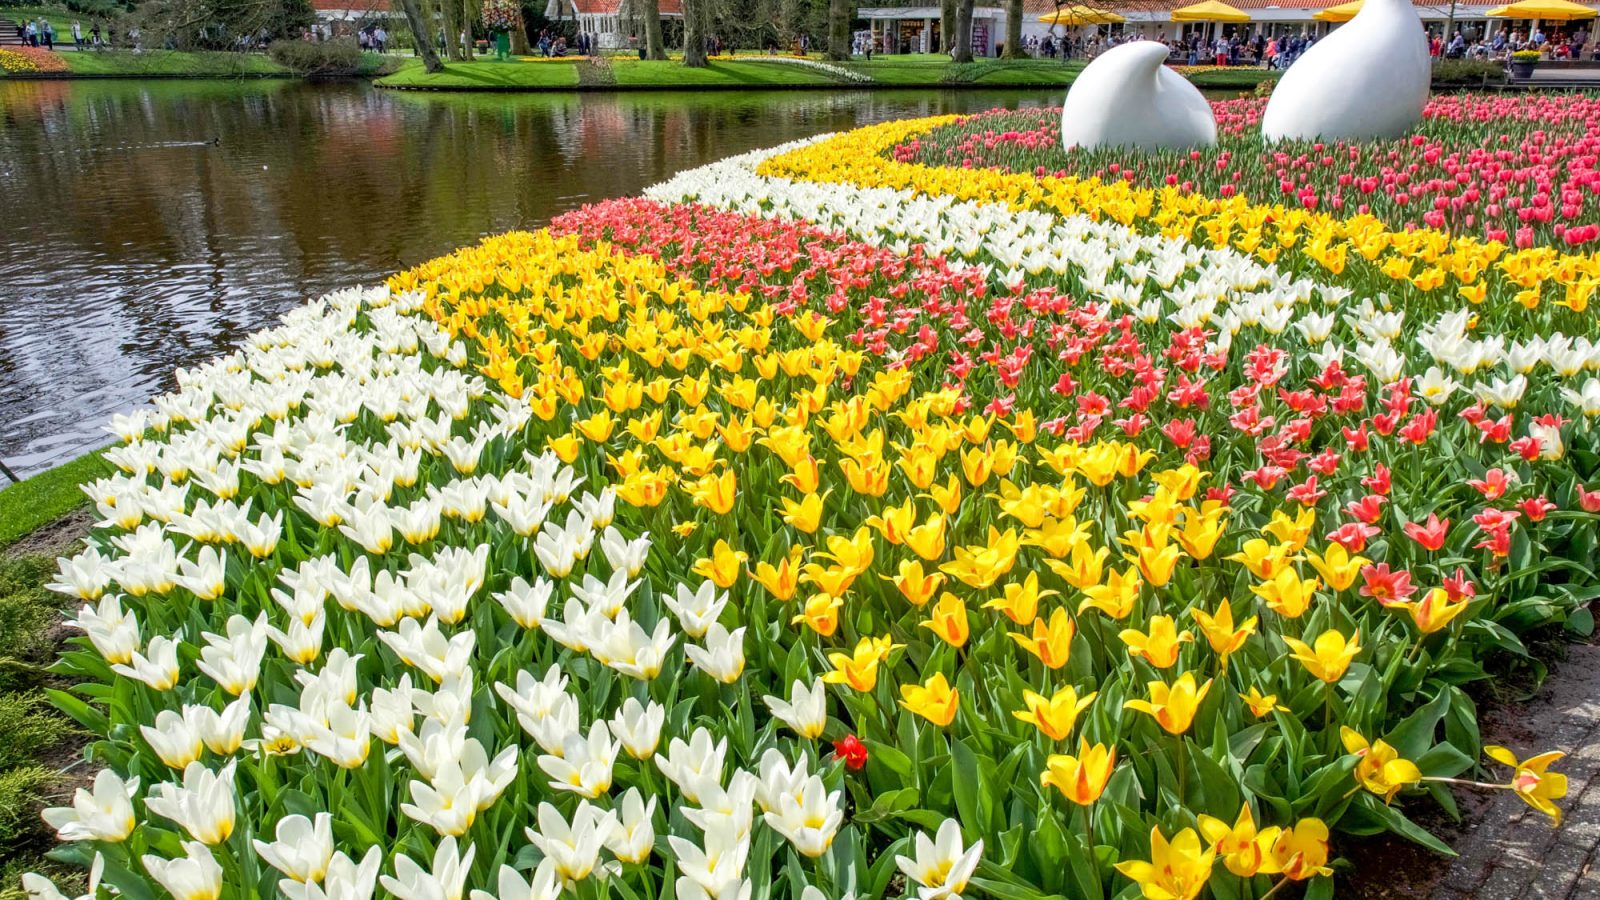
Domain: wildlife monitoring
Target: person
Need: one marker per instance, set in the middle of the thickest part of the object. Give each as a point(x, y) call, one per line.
point(94, 35)
point(77, 35)
point(49, 36)
point(1458, 46)
point(31, 35)
point(382, 38)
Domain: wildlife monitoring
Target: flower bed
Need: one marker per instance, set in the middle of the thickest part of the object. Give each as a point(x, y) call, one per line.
point(826, 524)
point(27, 60)
point(1519, 169)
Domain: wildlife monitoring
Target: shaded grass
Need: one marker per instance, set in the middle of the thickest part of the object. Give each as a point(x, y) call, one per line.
point(487, 75)
point(671, 74)
point(46, 497)
point(171, 62)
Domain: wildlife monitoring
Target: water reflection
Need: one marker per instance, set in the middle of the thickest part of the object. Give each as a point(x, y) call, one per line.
point(149, 226)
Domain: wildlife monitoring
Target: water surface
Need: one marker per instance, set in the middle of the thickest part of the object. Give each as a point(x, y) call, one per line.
point(149, 226)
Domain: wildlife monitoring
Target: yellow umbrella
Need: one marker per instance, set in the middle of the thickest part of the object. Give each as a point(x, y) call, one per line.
point(1082, 15)
point(1344, 12)
point(1544, 10)
point(1214, 11)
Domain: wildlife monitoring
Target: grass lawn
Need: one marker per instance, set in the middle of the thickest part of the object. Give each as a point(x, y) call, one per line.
point(487, 75)
point(60, 18)
point(46, 497)
point(667, 73)
point(167, 62)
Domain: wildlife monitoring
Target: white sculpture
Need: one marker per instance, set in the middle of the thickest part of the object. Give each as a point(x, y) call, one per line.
point(1368, 79)
point(1128, 98)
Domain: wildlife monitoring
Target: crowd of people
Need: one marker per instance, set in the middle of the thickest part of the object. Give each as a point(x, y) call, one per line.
point(41, 32)
point(1469, 43)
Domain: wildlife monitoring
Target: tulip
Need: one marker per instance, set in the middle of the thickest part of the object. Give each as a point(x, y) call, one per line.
point(1173, 707)
point(1531, 780)
point(941, 867)
point(103, 814)
point(1381, 769)
point(1329, 657)
point(194, 876)
point(1175, 871)
point(1081, 779)
point(934, 700)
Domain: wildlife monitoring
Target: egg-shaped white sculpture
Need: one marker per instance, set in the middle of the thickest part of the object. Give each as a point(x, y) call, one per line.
point(1368, 79)
point(1128, 98)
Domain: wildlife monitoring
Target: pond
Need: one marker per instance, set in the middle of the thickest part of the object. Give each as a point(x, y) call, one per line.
point(151, 225)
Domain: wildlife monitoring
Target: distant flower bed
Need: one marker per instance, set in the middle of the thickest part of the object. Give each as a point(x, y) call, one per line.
point(21, 60)
point(1521, 170)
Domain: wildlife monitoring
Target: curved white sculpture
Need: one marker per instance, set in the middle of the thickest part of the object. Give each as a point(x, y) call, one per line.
point(1127, 98)
point(1368, 79)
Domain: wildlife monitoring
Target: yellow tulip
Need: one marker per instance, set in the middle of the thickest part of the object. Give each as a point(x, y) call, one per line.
point(1265, 561)
point(1082, 778)
point(1116, 597)
point(980, 566)
point(1160, 647)
point(803, 515)
point(1083, 566)
point(934, 700)
point(1297, 853)
point(895, 521)
point(1381, 769)
point(716, 492)
point(722, 566)
point(1434, 611)
point(1287, 594)
point(780, 580)
point(927, 540)
point(1055, 715)
point(1292, 532)
point(917, 586)
point(1219, 629)
point(1050, 641)
point(1173, 707)
point(1021, 601)
point(1531, 780)
point(1261, 704)
point(949, 620)
point(821, 614)
point(1337, 566)
point(1175, 871)
point(1155, 557)
point(858, 669)
point(1242, 848)
point(1330, 656)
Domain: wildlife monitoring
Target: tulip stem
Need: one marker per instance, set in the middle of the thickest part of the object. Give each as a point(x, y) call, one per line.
point(1088, 828)
point(1274, 889)
point(1183, 770)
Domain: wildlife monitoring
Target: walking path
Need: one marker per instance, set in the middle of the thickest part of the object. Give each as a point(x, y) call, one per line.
point(1507, 850)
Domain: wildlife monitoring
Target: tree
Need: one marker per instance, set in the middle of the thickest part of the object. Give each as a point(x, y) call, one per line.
point(694, 33)
point(839, 14)
point(947, 24)
point(1014, 29)
point(650, 12)
point(963, 38)
point(420, 36)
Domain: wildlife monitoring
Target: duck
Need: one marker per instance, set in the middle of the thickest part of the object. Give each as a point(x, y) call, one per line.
point(1128, 98)
point(1368, 80)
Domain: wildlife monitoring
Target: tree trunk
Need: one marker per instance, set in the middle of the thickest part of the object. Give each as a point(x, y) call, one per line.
point(947, 24)
point(421, 35)
point(1014, 30)
point(839, 15)
point(963, 38)
point(450, 20)
point(694, 33)
point(650, 17)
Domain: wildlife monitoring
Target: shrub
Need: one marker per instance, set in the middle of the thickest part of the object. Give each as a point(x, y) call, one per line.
point(30, 726)
point(21, 795)
point(336, 57)
point(1468, 73)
